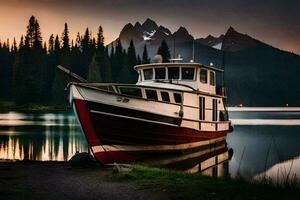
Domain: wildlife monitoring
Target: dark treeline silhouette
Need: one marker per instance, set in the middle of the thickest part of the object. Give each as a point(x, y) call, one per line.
point(28, 73)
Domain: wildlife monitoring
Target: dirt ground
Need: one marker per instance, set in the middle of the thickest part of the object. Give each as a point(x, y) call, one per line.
point(58, 180)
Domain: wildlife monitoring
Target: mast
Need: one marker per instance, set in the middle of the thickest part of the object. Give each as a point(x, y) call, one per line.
point(193, 59)
point(174, 48)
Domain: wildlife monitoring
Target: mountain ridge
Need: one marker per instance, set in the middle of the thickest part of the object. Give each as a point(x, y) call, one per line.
point(256, 73)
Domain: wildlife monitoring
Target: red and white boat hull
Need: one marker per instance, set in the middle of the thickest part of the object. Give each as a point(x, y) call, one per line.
point(123, 134)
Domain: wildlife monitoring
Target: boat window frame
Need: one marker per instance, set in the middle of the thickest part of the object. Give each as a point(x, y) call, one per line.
point(169, 97)
point(179, 73)
point(160, 67)
point(206, 79)
point(210, 78)
point(153, 74)
point(194, 75)
point(177, 93)
point(146, 89)
point(119, 91)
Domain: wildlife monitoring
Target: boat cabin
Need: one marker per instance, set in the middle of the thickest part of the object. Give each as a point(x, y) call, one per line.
point(184, 76)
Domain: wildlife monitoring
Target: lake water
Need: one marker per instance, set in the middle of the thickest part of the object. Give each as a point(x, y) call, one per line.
point(264, 143)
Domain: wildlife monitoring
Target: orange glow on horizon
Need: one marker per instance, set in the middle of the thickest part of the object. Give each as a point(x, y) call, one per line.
point(14, 16)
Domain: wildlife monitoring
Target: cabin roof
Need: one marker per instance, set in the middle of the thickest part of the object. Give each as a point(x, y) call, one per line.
point(177, 64)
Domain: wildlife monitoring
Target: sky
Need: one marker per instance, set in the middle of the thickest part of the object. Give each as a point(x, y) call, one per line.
point(276, 22)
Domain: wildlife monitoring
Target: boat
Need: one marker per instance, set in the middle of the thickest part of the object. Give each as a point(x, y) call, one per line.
point(173, 107)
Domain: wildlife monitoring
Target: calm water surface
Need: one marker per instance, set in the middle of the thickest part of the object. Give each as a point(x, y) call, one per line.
point(263, 143)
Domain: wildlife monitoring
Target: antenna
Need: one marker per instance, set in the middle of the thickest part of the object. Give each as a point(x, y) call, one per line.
point(174, 48)
point(193, 54)
point(193, 49)
point(223, 65)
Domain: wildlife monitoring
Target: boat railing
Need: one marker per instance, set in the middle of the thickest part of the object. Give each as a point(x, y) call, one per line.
point(217, 125)
point(174, 83)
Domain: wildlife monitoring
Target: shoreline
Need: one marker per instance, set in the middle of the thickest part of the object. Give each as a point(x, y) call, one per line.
point(38, 180)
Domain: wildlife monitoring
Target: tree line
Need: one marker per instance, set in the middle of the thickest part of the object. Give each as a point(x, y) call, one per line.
point(28, 72)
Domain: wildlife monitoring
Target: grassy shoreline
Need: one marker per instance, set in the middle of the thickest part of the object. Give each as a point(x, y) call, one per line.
point(28, 178)
point(181, 185)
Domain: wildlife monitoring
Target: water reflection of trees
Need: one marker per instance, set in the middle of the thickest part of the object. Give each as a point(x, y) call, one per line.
point(42, 142)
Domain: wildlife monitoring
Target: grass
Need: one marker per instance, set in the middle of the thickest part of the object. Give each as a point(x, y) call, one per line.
point(180, 185)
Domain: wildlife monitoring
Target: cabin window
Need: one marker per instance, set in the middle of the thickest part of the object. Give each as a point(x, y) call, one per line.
point(203, 76)
point(148, 74)
point(173, 73)
point(212, 80)
point(165, 96)
point(151, 94)
point(160, 73)
point(131, 91)
point(187, 73)
point(177, 98)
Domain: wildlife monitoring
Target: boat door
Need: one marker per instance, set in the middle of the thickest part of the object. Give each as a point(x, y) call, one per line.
point(215, 110)
point(201, 110)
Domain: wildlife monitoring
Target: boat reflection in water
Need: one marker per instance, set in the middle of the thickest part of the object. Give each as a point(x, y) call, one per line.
point(211, 160)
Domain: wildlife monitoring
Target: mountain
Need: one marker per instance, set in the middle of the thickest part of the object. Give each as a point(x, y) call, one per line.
point(230, 41)
point(234, 41)
point(150, 34)
point(215, 42)
point(256, 74)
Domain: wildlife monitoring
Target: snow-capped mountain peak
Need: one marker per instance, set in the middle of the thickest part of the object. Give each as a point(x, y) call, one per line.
point(148, 35)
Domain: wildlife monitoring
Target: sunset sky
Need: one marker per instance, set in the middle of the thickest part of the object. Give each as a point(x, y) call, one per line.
point(276, 22)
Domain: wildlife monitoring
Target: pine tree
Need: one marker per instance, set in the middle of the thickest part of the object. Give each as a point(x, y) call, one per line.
point(21, 44)
point(85, 42)
point(33, 36)
point(164, 51)
point(87, 53)
point(6, 61)
point(57, 44)
point(29, 69)
point(118, 62)
point(30, 32)
point(146, 60)
point(45, 48)
point(51, 44)
point(100, 38)
point(7, 44)
point(65, 54)
point(14, 47)
point(112, 50)
point(106, 69)
point(102, 57)
point(94, 71)
point(131, 62)
point(78, 40)
point(37, 36)
point(65, 39)
point(138, 60)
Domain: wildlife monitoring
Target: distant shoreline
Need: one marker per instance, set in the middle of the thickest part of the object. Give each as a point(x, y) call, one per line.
point(270, 109)
point(8, 106)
